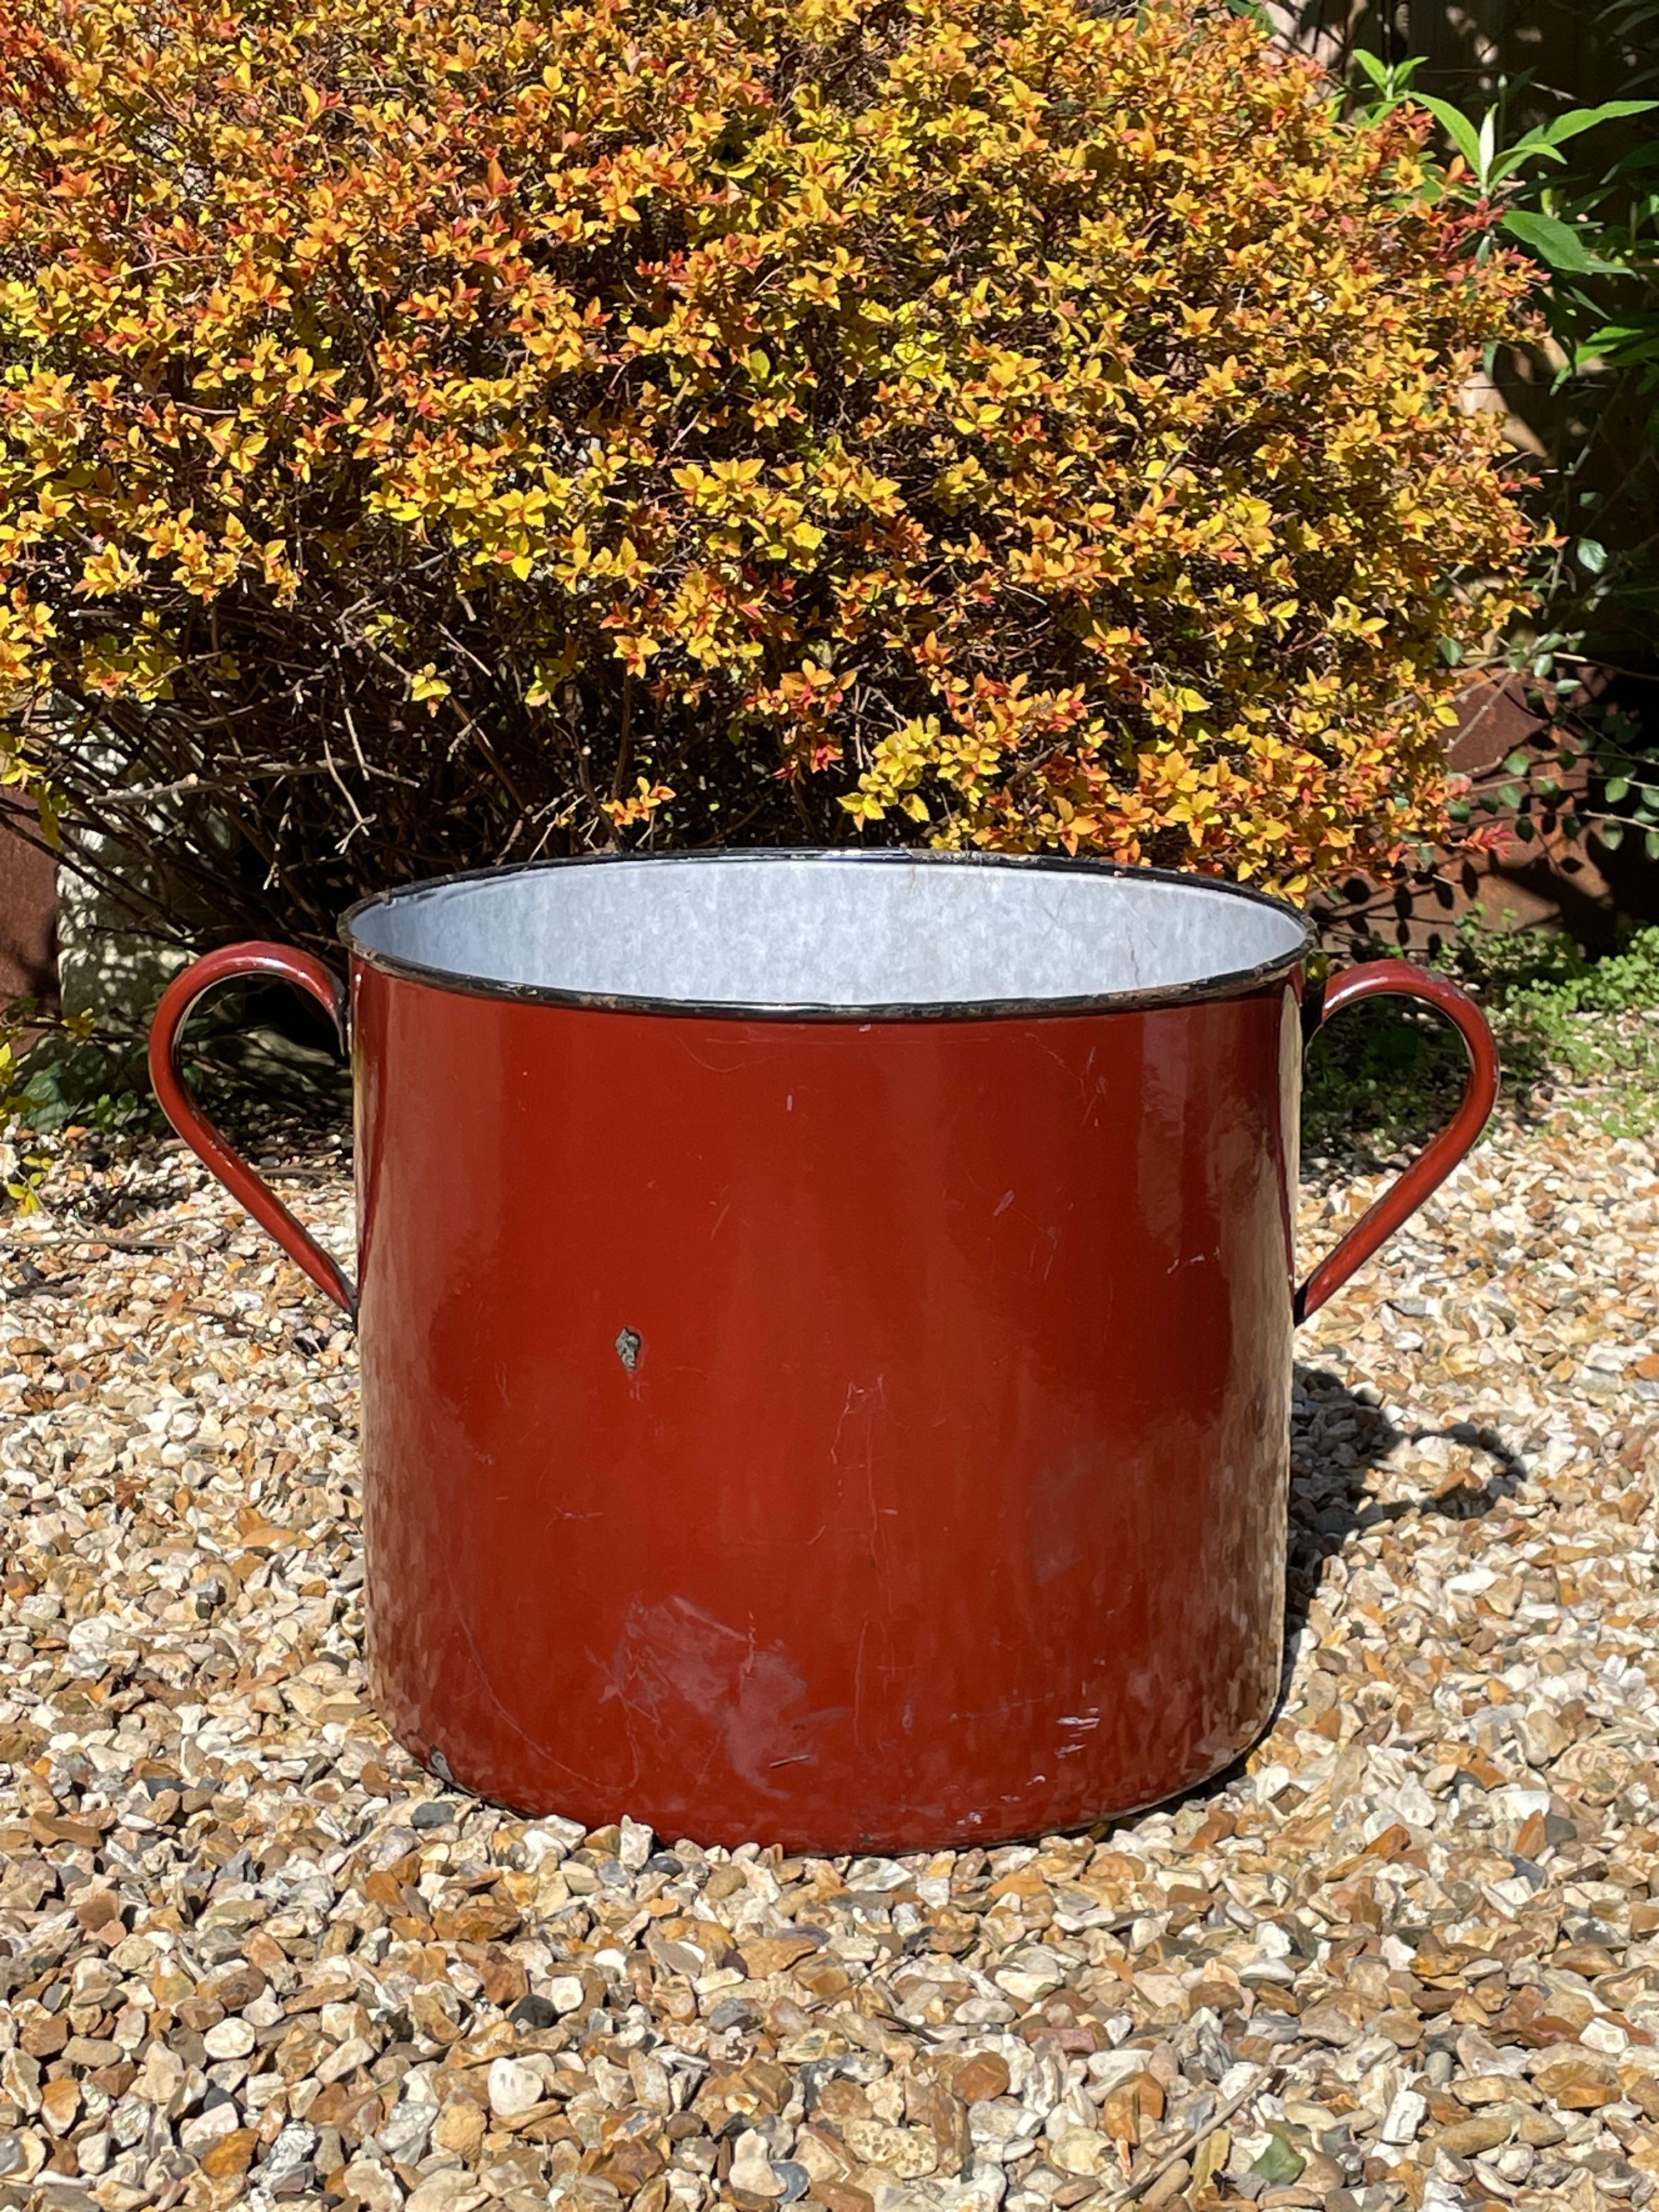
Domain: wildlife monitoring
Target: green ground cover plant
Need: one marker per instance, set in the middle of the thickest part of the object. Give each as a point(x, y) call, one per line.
point(1568, 1026)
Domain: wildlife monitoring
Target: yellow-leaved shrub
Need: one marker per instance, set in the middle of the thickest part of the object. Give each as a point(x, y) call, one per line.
point(437, 436)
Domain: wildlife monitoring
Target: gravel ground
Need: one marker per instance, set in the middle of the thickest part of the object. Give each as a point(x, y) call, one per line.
point(1405, 1956)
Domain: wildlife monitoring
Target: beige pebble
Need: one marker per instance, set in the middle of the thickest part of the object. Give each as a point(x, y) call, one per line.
point(513, 2088)
point(228, 2038)
point(1080, 2151)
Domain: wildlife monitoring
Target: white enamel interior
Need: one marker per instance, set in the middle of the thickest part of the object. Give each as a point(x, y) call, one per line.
point(829, 931)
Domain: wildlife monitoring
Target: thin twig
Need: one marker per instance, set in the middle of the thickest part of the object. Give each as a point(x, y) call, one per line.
point(119, 1244)
point(1190, 2140)
point(140, 795)
point(90, 1240)
point(1590, 661)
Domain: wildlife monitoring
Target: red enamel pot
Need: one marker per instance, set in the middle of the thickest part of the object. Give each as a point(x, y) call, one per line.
point(826, 1327)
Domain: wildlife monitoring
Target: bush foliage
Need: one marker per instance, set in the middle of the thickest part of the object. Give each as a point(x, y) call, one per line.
point(436, 437)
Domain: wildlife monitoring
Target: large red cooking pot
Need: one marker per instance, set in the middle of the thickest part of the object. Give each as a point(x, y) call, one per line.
point(826, 1328)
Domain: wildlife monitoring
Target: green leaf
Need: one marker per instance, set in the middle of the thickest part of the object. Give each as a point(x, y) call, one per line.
point(1518, 762)
point(1377, 70)
point(1586, 119)
point(1523, 829)
point(1524, 152)
point(1488, 143)
point(1511, 794)
point(1611, 835)
point(1617, 788)
point(1591, 554)
point(1458, 809)
point(1457, 127)
point(1620, 345)
point(1558, 243)
point(1651, 843)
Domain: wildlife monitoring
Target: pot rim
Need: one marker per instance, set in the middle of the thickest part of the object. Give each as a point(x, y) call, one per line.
point(1236, 983)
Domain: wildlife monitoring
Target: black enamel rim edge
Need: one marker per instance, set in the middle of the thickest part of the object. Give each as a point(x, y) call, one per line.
point(1237, 983)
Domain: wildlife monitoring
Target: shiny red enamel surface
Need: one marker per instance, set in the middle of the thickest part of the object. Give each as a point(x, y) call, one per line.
point(847, 1434)
point(945, 1496)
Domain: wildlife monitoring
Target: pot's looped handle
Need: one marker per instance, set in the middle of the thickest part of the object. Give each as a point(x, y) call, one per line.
point(1399, 979)
point(306, 974)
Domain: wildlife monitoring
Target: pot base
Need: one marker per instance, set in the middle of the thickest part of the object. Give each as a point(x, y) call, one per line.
point(895, 1835)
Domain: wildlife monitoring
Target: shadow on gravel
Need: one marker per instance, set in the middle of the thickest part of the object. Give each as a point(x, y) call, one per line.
point(1337, 1443)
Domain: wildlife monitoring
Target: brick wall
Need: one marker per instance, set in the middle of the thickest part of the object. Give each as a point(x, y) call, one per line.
point(28, 913)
